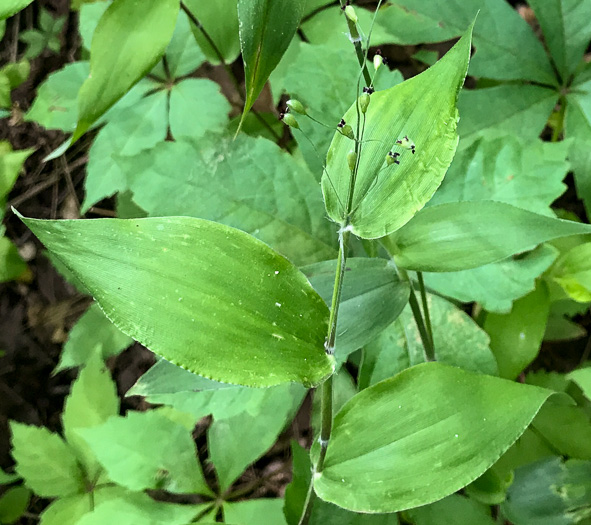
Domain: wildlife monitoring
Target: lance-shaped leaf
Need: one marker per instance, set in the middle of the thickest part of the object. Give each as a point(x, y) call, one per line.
point(266, 29)
point(422, 435)
point(463, 235)
point(204, 296)
point(373, 296)
point(130, 38)
point(386, 195)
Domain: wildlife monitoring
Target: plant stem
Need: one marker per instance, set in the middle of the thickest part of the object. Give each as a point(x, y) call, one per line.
point(326, 391)
point(426, 309)
point(416, 312)
point(227, 67)
point(414, 306)
point(560, 124)
point(356, 39)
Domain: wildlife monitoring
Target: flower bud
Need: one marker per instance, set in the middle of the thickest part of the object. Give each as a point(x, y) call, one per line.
point(406, 143)
point(290, 120)
point(351, 14)
point(378, 60)
point(352, 160)
point(296, 105)
point(363, 102)
point(347, 130)
point(392, 158)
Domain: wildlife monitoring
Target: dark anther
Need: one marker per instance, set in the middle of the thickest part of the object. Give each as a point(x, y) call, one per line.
point(281, 115)
point(348, 2)
point(369, 90)
point(342, 123)
point(379, 52)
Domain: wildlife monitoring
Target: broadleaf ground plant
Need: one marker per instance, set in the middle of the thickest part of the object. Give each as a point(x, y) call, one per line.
point(391, 246)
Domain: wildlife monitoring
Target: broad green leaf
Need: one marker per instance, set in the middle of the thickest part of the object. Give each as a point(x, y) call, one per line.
point(565, 428)
point(516, 337)
point(513, 278)
point(323, 513)
point(90, 14)
point(566, 31)
point(451, 509)
point(500, 35)
point(459, 341)
point(572, 272)
point(136, 452)
point(464, 235)
point(47, 464)
point(550, 492)
point(137, 128)
point(13, 503)
point(92, 400)
point(528, 448)
point(120, 58)
point(166, 378)
point(220, 20)
point(68, 510)
point(248, 184)
point(386, 197)
point(225, 403)
point(255, 512)
point(236, 442)
point(56, 104)
point(582, 378)
point(430, 441)
point(372, 297)
point(266, 29)
point(92, 329)
point(182, 286)
point(11, 7)
point(519, 109)
point(197, 108)
point(140, 509)
point(505, 169)
point(322, 77)
point(563, 425)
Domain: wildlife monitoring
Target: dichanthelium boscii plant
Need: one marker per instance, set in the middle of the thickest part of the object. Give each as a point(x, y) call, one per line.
point(222, 304)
